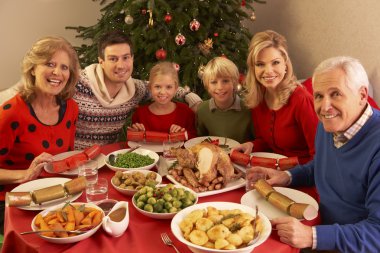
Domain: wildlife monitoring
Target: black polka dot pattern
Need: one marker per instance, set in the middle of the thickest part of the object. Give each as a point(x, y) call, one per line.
point(68, 124)
point(29, 156)
point(3, 151)
point(17, 139)
point(9, 162)
point(14, 125)
point(32, 128)
point(59, 142)
point(45, 144)
point(7, 106)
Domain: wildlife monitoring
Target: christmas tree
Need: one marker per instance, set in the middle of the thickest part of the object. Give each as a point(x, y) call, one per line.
point(186, 32)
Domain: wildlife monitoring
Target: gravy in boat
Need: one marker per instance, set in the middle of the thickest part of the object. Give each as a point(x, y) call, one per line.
point(118, 215)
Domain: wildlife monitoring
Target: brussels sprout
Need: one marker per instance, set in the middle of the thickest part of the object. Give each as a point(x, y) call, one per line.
point(168, 205)
point(140, 204)
point(173, 209)
point(148, 208)
point(187, 202)
point(152, 201)
point(167, 197)
point(177, 203)
point(174, 192)
point(143, 198)
point(158, 207)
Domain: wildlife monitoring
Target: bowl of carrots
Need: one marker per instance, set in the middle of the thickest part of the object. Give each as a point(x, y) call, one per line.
point(59, 220)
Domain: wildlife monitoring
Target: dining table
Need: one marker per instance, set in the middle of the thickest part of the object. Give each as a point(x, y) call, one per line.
point(142, 234)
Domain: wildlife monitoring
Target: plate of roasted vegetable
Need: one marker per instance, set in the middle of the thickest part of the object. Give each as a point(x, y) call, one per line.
point(129, 182)
point(163, 201)
point(206, 169)
point(76, 216)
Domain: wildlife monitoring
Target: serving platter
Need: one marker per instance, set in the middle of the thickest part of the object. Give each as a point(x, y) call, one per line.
point(222, 140)
point(42, 183)
point(74, 172)
point(229, 187)
point(253, 198)
point(153, 146)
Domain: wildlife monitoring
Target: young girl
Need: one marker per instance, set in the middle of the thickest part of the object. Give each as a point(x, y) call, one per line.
point(224, 114)
point(164, 115)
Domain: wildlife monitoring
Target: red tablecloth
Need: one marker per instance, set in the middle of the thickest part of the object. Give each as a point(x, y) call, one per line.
point(142, 235)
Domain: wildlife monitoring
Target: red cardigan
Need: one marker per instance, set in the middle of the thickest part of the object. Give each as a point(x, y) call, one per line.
point(289, 131)
point(182, 116)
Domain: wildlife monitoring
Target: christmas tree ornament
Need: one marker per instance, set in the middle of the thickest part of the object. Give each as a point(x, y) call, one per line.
point(216, 34)
point(180, 39)
point(194, 25)
point(176, 66)
point(168, 18)
point(161, 54)
point(243, 3)
point(253, 16)
point(206, 46)
point(241, 78)
point(143, 11)
point(150, 23)
point(128, 19)
point(201, 71)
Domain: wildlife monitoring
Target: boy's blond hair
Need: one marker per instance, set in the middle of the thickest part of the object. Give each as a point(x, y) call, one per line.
point(220, 67)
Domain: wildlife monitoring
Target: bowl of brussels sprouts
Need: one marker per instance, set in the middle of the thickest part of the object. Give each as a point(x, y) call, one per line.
point(138, 159)
point(163, 201)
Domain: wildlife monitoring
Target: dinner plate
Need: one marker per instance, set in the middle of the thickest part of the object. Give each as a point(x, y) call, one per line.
point(153, 146)
point(229, 187)
point(260, 154)
point(230, 142)
point(42, 183)
point(253, 198)
point(74, 172)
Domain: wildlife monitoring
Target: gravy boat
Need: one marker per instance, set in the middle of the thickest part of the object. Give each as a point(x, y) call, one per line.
point(117, 220)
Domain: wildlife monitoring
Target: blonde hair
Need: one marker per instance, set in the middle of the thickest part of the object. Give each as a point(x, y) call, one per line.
point(40, 53)
point(220, 67)
point(163, 68)
point(255, 90)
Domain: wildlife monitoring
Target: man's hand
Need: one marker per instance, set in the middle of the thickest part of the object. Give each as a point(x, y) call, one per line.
point(291, 231)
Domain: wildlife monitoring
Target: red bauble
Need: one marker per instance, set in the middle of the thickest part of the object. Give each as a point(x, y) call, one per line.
point(143, 11)
point(161, 54)
point(180, 39)
point(241, 78)
point(168, 18)
point(194, 25)
point(216, 34)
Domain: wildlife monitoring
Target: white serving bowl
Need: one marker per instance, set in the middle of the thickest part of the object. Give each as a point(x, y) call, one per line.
point(129, 192)
point(267, 227)
point(140, 151)
point(71, 239)
point(163, 215)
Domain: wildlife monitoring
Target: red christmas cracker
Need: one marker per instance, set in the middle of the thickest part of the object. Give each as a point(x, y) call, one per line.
point(264, 162)
point(92, 152)
point(239, 158)
point(153, 136)
point(180, 136)
point(135, 135)
point(287, 163)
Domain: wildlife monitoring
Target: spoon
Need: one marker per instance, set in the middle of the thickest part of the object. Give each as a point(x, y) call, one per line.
point(112, 157)
point(77, 231)
point(256, 234)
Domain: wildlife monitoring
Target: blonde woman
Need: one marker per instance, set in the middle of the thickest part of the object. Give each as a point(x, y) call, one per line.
point(224, 114)
point(282, 110)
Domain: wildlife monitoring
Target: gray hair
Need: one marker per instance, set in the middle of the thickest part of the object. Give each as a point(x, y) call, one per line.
point(355, 74)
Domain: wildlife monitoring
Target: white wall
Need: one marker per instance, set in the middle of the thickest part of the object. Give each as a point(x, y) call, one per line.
point(22, 22)
point(319, 29)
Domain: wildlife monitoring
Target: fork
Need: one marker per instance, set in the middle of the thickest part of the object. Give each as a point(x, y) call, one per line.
point(166, 239)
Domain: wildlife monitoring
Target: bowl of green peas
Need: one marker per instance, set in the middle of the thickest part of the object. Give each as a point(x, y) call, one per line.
point(163, 201)
point(139, 159)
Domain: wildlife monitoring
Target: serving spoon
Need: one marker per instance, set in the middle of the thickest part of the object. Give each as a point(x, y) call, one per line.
point(112, 157)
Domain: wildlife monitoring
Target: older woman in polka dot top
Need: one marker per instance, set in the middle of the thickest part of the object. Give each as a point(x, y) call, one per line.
point(39, 121)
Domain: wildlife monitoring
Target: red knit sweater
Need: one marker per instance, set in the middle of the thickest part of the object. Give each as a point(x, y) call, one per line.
point(289, 131)
point(182, 116)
